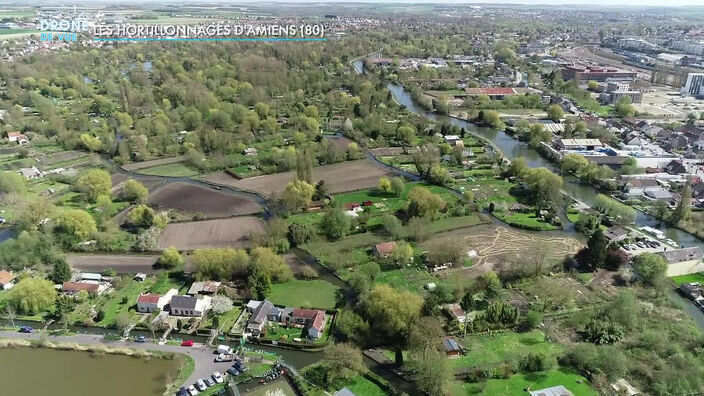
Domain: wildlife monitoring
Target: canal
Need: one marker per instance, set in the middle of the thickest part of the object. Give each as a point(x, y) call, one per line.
point(44, 371)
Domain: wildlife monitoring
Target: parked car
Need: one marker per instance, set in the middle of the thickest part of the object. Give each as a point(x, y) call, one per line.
point(208, 382)
point(192, 390)
point(200, 385)
point(140, 338)
point(182, 392)
point(225, 357)
point(233, 371)
point(26, 329)
point(224, 349)
point(187, 343)
point(218, 377)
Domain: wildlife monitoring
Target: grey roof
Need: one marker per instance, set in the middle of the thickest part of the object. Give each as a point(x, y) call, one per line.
point(450, 345)
point(658, 194)
point(680, 255)
point(558, 390)
point(259, 314)
point(183, 302)
point(274, 311)
point(344, 392)
point(615, 232)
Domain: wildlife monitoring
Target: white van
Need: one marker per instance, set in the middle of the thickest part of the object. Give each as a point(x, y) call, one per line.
point(224, 349)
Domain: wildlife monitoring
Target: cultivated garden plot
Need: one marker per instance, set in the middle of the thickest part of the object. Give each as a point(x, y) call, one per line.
point(198, 199)
point(219, 233)
point(342, 177)
point(120, 263)
point(157, 162)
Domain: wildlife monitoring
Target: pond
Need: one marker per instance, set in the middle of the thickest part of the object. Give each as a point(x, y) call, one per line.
point(43, 371)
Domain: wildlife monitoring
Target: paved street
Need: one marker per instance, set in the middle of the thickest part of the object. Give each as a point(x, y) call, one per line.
point(203, 357)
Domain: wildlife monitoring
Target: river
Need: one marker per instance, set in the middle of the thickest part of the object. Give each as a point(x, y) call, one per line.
point(44, 371)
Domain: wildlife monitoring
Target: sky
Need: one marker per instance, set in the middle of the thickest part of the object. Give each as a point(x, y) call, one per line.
point(614, 3)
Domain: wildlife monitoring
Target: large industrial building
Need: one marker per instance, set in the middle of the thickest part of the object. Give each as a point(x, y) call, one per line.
point(694, 85)
point(584, 73)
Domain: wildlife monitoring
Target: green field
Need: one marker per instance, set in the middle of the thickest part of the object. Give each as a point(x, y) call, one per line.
point(304, 294)
point(524, 220)
point(698, 277)
point(360, 385)
point(517, 383)
point(177, 169)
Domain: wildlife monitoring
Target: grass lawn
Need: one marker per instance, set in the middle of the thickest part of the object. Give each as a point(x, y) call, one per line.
point(573, 216)
point(524, 220)
point(492, 349)
point(177, 169)
point(304, 294)
point(517, 383)
point(411, 279)
point(360, 385)
point(698, 277)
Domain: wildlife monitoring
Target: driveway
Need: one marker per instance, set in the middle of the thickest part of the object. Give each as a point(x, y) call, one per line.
point(202, 356)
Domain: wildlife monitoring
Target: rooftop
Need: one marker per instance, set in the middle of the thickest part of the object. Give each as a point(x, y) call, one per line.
point(6, 277)
point(148, 299)
point(679, 255)
point(183, 302)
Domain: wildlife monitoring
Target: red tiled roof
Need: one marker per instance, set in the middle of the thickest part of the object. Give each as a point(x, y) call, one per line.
point(149, 298)
point(491, 91)
point(304, 313)
point(13, 134)
point(318, 320)
point(386, 247)
point(75, 286)
point(6, 277)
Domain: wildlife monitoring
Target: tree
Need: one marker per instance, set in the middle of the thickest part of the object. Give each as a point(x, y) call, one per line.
point(424, 158)
point(259, 285)
point(683, 210)
point(142, 216)
point(419, 228)
point(425, 347)
point(12, 182)
point(304, 165)
point(94, 183)
point(335, 224)
point(392, 225)
point(402, 254)
point(439, 175)
point(220, 304)
point(32, 216)
point(309, 272)
point(545, 187)
point(596, 248)
point(518, 168)
point(343, 361)
point(220, 264)
point(135, 191)
point(297, 195)
point(423, 203)
point(32, 295)
point(123, 321)
point(650, 268)
point(77, 224)
point(11, 314)
point(384, 184)
point(574, 163)
point(61, 272)
point(352, 326)
point(321, 190)
point(592, 85)
point(555, 112)
point(624, 107)
point(170, 258)
point(397, 186)
point(265, 261)
point(90, 142)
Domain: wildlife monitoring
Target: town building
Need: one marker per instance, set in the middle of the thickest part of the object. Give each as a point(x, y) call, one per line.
point(148, 303)
point(189, 305)
point(453, 140)
point(263, 312)
point(616, 234)
point(683, 261)
point(17, 137)
point(694, 86)
point(259, 317)
point(73, 288)
point(382, 250)
point(558, 390)
point(452, 348)
point(7, 279)
point(579, 144)
point(585, 73)
point(204, 288)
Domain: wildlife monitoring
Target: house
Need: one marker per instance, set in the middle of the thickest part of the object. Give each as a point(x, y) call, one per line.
point(698, 190)
point(452, 348)
point(558, 390)
point(259, 317)
point(30, 173)
point(675, 167)
point(683, 261)
point(344, 392)
point(250, 152)
point(638, 187)
point(17, 137)
point(73, 288)
point(148, 303)
point(658, 195)
point(454, 141)
point(205, 288)
point(456, 312)
point(616, 233)
point(382, 250)
point(676, 142)
point(189, 305)
point(7, 279)
point(312, 319)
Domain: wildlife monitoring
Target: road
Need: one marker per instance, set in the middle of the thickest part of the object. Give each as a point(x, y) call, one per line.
point(202, 356)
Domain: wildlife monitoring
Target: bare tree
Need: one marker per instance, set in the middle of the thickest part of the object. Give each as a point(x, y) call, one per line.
point(11, 313)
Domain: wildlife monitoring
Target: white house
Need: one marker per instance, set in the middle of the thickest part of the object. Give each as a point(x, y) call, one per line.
point(189, 306)
point(683, 261)
point(7, 279)
point(30, 173)
point(148, 303)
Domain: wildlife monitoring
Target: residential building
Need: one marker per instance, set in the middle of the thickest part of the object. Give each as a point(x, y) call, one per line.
point(658, 195)
point(382, 250)
point(91, 276)
point(205, 288)
point(148, 303)
point(634, 96)
point(454, 140)
point(259, 317)
point(452, 348)
point(694, 86)
point(456, 312)
point(73, 288)
point(18, 138)
point(313, 319)
point(558, 390)
point(534, 47)
point(683, 261)
point(7, 279)
point(675, 167)
point(189, 305)
point(584, 73)
point(616, 233)
point(30, 173)
point(637, 187)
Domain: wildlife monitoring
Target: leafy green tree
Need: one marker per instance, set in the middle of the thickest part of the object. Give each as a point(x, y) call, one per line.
point(397, 186)
point(423, 203)
point(142, 216)
point(90, 142)
point(12, 182)
point(624, 107)
point(170, 258)
point(77, 223)
point(425, 345)
point(439, 175)
point(61, 272)
point(220, 264)
point(343, 361)
point(135, 191)
point(574, 163)
point(392, 225)
point(321, 190)
point(94, 183)
point(683, 210)
point(650, 268)
point(297, 195)
point(402, 254)
point(545, 187)
point(335, 224)
point(596, 248)
point(265, 261)
point(555, 112)
point(419, 228)
point(384, 184)
point(32, 295)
